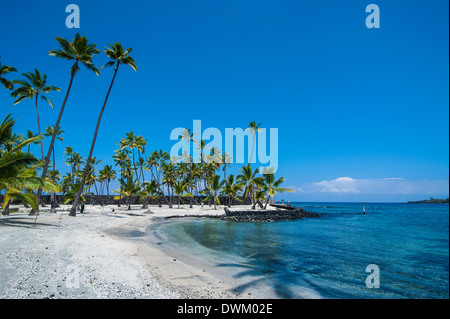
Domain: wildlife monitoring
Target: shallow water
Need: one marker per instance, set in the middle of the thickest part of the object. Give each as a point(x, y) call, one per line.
point(327, 257)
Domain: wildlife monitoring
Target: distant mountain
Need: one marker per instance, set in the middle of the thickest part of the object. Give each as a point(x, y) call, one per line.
point(431, 201)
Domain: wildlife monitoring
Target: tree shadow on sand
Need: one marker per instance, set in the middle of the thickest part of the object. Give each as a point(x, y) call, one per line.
point(20, 221)
point(282, 281)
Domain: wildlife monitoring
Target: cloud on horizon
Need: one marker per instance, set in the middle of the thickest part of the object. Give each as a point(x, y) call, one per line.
point(401, 186)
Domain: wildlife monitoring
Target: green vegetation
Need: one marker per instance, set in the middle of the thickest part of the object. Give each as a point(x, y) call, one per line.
point(431, 201)
point(18, 169)
point(140, 173)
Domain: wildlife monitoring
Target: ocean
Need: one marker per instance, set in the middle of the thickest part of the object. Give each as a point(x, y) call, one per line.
point(327, 257)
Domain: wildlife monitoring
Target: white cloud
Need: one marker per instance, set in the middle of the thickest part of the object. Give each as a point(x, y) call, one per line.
point(392, 185)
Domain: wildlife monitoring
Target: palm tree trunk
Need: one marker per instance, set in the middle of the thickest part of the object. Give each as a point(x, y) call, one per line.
point(253, 147)
point(39, 128)
point(73, 210)
point(52, 142)
point(6, 210)
point(267, 201)
point(53, 194)
point(121, 177)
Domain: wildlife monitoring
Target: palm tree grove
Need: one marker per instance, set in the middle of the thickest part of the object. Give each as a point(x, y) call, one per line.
point(144, 176)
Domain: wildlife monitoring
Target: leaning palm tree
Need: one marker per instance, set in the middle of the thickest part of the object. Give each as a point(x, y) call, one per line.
point(30, 88)
point(79, 51)
point(272, 186)
point(253, 128)
point(118, 56)
point(5, 69)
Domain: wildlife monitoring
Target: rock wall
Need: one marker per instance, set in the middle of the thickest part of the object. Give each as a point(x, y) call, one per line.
point(269, 215)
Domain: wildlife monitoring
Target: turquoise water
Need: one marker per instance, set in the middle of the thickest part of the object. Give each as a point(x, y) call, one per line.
point(328, 255)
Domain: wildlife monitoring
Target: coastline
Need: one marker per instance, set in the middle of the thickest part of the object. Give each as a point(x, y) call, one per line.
point(190, 276)
point(101, 249)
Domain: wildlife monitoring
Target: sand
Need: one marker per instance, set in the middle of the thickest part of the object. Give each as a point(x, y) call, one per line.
point(91, 256)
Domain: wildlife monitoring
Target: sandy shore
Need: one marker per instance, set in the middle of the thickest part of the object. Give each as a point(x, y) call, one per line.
point(91, 256)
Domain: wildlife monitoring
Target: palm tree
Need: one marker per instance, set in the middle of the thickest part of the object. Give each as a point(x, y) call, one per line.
point(129, 188)
point(123, 161)
point(188, 136)
point(230, 188)
point(226, 160)
point(149, 191)
point(169, 178)
point(107, 174)
point(68, 151)
point(272, 186)
point(179, 188)
point(73, 191)
point(118, 56)
point(253, 128)
point(91, 177)
point(17, 168)
point(79, 51)
point(5, 69)
point(259, 197)
point(30, 134)
point(49, 131)
point(30, 88)
point(251, 182)
point(130, 142)
point(213, 187)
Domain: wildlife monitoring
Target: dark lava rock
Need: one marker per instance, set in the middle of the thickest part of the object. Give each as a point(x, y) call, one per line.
point(269, 215)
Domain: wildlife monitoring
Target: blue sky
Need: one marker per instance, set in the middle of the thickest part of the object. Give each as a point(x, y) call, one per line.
point(362, 114)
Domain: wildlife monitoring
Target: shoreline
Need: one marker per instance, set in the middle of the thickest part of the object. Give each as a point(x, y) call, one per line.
point(94, 249)
point(192, 277)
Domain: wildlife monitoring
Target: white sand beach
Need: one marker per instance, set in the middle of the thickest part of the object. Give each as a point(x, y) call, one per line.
point(83, 257)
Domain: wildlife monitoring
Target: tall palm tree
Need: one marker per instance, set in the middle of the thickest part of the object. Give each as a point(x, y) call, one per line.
point(49, 131)
point(188, 136)
point(68, 151)
point(253, 128)
point(5, 69)
point(168, 179)
point(79, 51)
point(118, 56)
point(30, 88)
point(226, 160)
point(130, 142)
point(140, 143)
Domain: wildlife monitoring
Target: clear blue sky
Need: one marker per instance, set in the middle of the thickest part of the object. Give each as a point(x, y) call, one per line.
point(362, 114)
